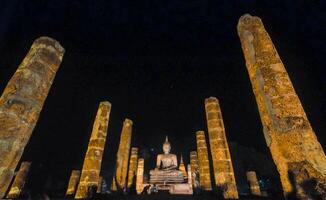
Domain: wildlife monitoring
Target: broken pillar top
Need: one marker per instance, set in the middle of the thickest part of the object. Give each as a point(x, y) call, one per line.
point(128, 122)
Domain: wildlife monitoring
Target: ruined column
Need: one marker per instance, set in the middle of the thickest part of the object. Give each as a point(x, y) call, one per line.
point(132, 166)
point(222, 163)
point(253, 183)
point(22, 101)
point(99, 185)
point(140, 176)
point(182, 168)
point(194, 169)
point(204, 171)
point(288, 133)
point(114, 185)
point(93, 159)
point(19, 181)
point(73, 182)
point(123, 155)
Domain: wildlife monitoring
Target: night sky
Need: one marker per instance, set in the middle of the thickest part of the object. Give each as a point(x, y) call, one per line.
point(156, 62)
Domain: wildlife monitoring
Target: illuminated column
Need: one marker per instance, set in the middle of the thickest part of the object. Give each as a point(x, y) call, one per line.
point(194, 169)
point(190, 177)
point(22, 101)
point(204, 171)
point(288, 133)
point(19, 181)
point(253, 183)
point(140, 176)
point(182, 168)
point(73, 182)
point(132, 166)
point(114, 185)
point(123, 155)
point(99, 186)
point(92, 164)
point(222, 163)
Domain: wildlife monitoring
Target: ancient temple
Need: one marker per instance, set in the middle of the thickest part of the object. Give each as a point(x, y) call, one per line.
point(73, 182)
point(166, 175)
point(93, 159)
point(288, 133)
point(19, 181)
point(22, 102)
point(204, 170)
point(222, 163)
point(123, 155)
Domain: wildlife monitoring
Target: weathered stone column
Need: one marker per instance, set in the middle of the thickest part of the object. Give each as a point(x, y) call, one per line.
point(222, 163)
point(132, 166)
point(204, 171)
point(19, 181)
point(73, 182)
point(194, 169)
point(140, 176)
point(92, 164)
point(253, 183)
point(22, 101)
point(99, 185)
point(182, 168)
point(123, 155)
point(288, 133)
point(114, 185)
point(190, 178)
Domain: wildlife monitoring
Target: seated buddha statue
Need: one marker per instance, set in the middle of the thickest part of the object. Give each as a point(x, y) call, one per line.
point(166, 167)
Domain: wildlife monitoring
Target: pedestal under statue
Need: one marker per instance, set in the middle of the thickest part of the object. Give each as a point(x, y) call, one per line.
point(166, 175)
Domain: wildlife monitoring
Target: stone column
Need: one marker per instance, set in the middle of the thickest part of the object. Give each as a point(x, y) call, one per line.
point(22, 101)
point(190, 178)
point(132, 166)
point(204, 171)
point(140, 176)
point(19, 181)
point(114, 185)
point(123, 155)
point(93, 159)
point(99, 186)
point(253, 183)
point(288, 133)
point(194, 169)
point(182, 168)
point(73, 182)
point(222, 163)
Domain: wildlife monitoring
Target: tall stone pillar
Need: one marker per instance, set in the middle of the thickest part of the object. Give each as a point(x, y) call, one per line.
point(22, 101)
point(182, 168)
point(140, 176)
point(222, 163)
point(132, 166)
point(93, 159)
point(204, 171)
point(123, 155)
point(194, 169)
point(253, 183)
point(99, 185)
point(114, 185)
point(73, 182)
point(19, 181)
point(288, 133)
point(190, 178)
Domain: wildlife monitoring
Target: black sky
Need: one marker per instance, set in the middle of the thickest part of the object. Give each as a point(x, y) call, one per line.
point(156, 62)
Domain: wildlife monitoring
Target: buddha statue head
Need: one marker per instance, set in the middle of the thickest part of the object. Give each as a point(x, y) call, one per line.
point(166, 146)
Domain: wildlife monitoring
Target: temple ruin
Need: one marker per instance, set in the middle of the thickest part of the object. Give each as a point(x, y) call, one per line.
point(132, 167)
point(19, 181)
point(22, 101)
point(204, 170)
point(73, 182)
point(222, 163)
point(288, 133)
point(123, 155)
point(93, 159)
point(140, 176)
point(194, 169)
point(253, 183)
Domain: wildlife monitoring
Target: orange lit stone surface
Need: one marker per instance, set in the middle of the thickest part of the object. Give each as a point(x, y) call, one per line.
point(182, 168)
point(288, 133)
point(204, 170)
point(140, 176)
point(99, 185)
point(73, 182)
point(194, 169)
point(132, 166)
point(19, 181)
point(253, 183)
point(22, 101)
point(222, 163)
point(93, 159)
point(123, 155)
